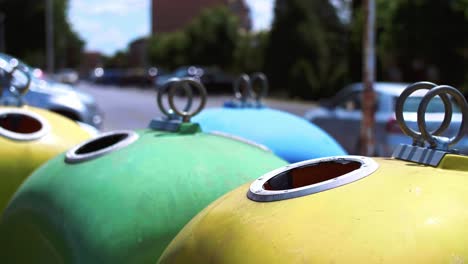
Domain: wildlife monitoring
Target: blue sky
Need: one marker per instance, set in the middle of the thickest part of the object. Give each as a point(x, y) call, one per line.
point(109, 25)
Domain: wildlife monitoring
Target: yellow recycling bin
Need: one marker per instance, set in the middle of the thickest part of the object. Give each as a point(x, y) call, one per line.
point(412, 208)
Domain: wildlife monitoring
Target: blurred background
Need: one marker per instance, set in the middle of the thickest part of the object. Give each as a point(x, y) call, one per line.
point(120, 51)
point(308, 48)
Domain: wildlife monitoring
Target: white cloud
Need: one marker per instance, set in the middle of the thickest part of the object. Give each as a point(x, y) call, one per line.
point(110, 7)
point(108, 40)
point(262, 13)
point(109, 25)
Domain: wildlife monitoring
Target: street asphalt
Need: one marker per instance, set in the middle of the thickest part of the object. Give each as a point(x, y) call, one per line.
point(133, 107)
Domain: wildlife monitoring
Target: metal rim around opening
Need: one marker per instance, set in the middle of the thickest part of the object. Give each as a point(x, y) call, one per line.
point(73, 156)
point(44, 130)
point(258, 193)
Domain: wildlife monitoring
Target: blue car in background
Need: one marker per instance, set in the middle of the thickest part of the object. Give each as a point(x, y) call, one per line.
point(59, 98)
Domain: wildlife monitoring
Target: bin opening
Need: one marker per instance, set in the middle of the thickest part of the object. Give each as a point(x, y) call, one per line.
point(311, 174)
point(309, 177)
point(20, 123)
point(101, 143)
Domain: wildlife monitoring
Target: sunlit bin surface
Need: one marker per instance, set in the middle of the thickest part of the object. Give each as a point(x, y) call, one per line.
point(411, 208)
point(400, 213)
point(288, 136)
point(122, 197)
point(28, 138)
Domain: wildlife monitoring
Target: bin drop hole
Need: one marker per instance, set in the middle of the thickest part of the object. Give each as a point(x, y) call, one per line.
point(310, 174)
point(101, 143)
point(20, 123)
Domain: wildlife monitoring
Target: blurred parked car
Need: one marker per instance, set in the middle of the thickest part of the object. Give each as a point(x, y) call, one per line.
point(140, 77)
point(341, 117)
point(60, 98)
point(216, 80)
point(108, 76)
point(68, 76)
point(213, 78)
point(184, 71)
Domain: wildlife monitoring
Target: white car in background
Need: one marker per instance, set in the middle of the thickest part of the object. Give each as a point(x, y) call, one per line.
point(341, 117)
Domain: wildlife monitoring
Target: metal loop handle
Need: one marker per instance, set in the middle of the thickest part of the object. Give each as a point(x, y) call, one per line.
point(441, 91)
point(165, 88)
point(243, 94)
point(10, 68)
point(418, 139)
point(190, 82)
point(21, 91)
point(260, 77)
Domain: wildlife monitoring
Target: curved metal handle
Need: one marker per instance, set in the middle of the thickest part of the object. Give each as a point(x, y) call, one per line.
point(10, 68)
point(190, 82)
point(418, 139)
point(22, 91)
point(243, 94)
point(442, 91)
point(264, 86)
point(165, 89)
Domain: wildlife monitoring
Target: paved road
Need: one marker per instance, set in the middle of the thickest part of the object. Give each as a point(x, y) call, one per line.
point(133, 108)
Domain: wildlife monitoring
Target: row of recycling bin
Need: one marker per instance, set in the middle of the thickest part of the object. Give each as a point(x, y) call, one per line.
point(123, 196)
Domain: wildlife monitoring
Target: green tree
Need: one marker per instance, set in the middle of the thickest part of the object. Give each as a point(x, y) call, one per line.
point(168, 49)
point(212, 37)
point(25, 32)
point(118, 60)
point(307, 37)
point(427, 39)
point(210, 40)
point(416, 40)
point(249, 54)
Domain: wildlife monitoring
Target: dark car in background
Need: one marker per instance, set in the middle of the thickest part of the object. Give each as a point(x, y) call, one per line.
point(341, 117)
point(58, 97)
point(181, 72)
point(214, 79)
point(139, 77)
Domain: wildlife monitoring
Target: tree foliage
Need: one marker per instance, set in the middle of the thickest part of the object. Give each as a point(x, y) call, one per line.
point(118, 60)
point(418, 40)
point(434, 37)
point(210, 39)
point(168, 50)
point(305, 51)
point(249, 55)
point(25, 32)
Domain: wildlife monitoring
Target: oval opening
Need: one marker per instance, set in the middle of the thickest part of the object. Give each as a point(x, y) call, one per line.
point(20, 123)
point(103, 144)
point(23, 125)
point(311, 176)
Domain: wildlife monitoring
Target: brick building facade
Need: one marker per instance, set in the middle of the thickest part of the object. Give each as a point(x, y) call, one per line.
point(172, 15)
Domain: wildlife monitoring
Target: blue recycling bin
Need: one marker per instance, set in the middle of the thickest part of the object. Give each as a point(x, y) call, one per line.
point(288, 136)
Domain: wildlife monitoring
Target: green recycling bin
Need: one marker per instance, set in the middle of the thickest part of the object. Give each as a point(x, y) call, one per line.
point(122, 197)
